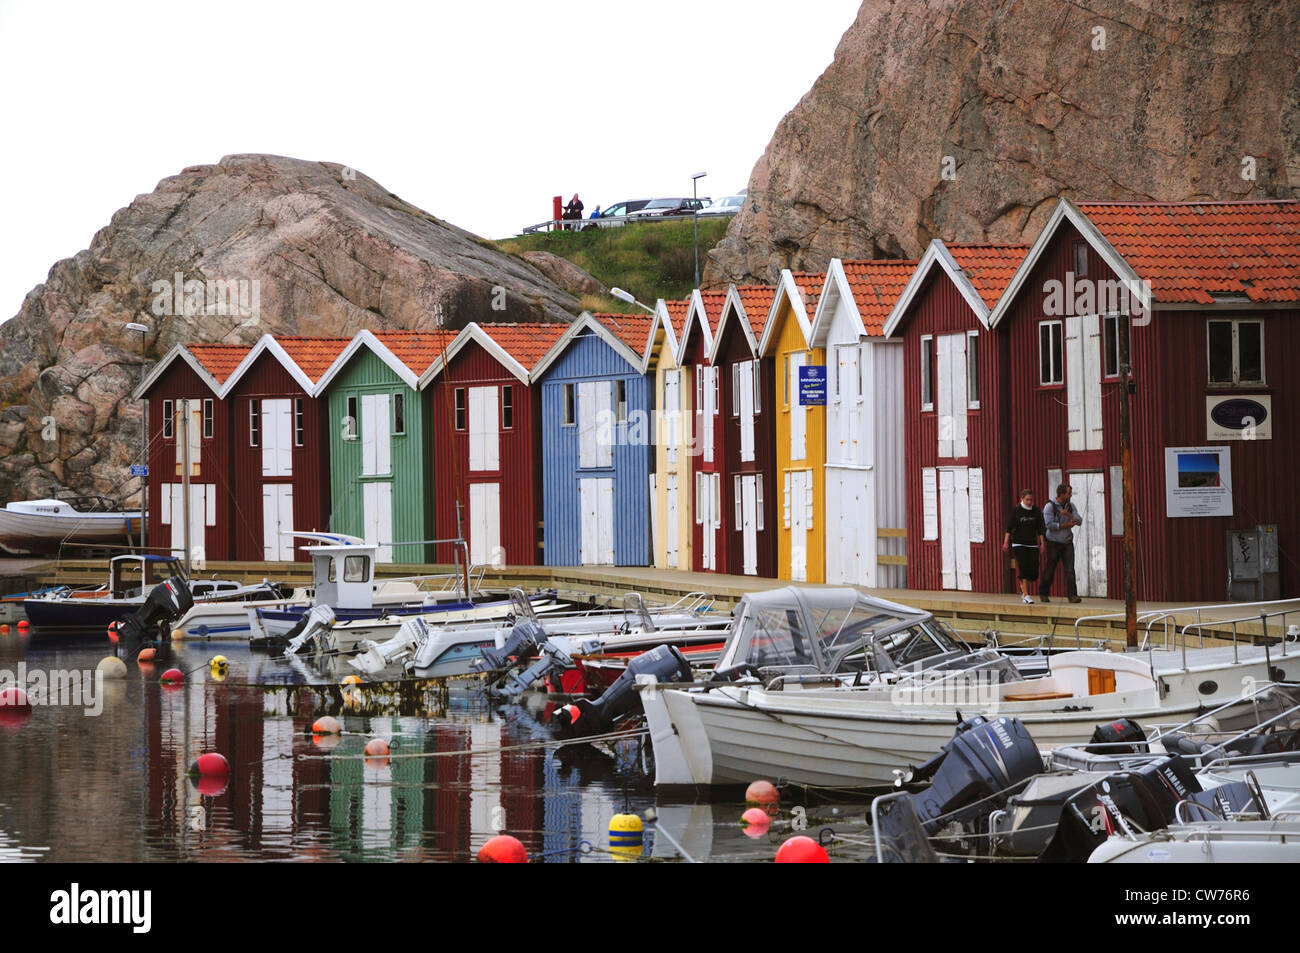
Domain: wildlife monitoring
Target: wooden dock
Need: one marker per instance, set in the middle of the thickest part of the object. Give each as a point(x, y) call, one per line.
point(969, 613)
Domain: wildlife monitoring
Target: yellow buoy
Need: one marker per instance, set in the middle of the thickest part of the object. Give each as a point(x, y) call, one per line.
point(219, 667)
point(177, 635)
point(625, 836)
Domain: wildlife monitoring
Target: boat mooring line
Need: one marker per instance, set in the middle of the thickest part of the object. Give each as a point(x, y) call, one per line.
point(612, 736)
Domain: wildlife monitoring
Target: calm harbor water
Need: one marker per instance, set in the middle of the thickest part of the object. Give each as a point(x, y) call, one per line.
point(115, 787)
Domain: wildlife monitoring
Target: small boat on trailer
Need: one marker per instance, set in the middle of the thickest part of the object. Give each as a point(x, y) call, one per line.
point(832, 687)
point(40, 527)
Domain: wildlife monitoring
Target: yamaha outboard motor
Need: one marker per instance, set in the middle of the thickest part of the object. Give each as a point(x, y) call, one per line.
point(521, 643)
point(975, 770)
point(583, 717)
point(1122, 736)
point(165, 604)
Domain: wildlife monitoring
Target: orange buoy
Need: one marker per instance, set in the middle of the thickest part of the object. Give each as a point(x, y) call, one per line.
point(756, 821)
point(147, 654)
point(173, 676)
point(377, 747)
point(351, 680)
point(23, 624)
point(503, 849)
point(762, 792)
point(4, 628)
point(326, 725)
point(210, 765)
point(801, 849)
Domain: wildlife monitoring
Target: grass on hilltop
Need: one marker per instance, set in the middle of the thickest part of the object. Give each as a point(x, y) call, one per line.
point(650, 259)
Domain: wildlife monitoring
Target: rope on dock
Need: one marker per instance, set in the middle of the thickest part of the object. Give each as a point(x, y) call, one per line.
point(501, 749)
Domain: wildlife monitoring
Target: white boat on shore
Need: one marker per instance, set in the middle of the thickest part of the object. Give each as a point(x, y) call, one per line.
point(840, 689)
point(40, 527)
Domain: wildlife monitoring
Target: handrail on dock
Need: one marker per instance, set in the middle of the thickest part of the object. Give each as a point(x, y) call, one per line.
point(1151, 616)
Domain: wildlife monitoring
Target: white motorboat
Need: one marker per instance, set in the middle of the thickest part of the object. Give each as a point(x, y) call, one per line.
point(42, 526)
point(836, 688)
point(1272, 841)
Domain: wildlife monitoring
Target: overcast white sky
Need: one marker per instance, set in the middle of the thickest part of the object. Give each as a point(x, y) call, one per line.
point(477, 110)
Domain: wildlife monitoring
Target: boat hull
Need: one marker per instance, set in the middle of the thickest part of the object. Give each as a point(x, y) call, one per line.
point(42, 534)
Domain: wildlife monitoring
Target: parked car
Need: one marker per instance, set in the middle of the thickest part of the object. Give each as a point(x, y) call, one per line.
point(727, 205)
point(659, 208)
point(624, 208)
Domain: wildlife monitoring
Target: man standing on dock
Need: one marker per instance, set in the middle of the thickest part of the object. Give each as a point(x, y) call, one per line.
point(1023, 539)
point(1060, 517)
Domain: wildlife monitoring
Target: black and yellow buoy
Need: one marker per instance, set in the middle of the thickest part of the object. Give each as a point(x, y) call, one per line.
point(625, 836)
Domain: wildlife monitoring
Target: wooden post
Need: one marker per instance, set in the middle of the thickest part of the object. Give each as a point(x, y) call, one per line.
point(1126, 463)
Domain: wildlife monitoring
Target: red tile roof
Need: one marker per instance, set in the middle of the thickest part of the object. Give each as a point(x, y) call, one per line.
point(313, 355)
point(416, 349)
point(219, 360)
point(526, 343)
point(1192, 251)
point(989, 267)
point(677, 311)
point(632, 329)
point(810, 284)
point(756, 300)
point(713, 302)
point(876, 285)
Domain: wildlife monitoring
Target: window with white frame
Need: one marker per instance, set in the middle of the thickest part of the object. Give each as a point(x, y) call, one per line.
point(620, 401)
point(862, 372)
point(758, 386)
point(298, 428)
point(169, 419)
point(973, 369)
point(1050, 363)
point(740, 516)
point(758, 501)
point(1235, 352)
point(207, 418)
point(1110, 345)
point(735, 389)
point(507, 407)
point(927, 372)
point(254, 423)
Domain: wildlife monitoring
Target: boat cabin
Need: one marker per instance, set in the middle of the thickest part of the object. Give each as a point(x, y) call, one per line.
point(134, 575)
point(343, 573)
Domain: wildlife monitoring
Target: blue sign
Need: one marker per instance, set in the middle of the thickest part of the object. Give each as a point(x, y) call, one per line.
point(812, 385)
point(139, 470)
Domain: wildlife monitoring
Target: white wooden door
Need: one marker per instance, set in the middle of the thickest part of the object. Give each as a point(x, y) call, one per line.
point(190, 411)
point(277, 438)
point(954, 528)
point(744, 401)
point(1083, 381)
point(798, 413)
point(596, 502)
point(849, 528)
point(708, 407)
point(849, 405)
point(485, 524)
point(376, 435)
point(952, 398)
point(1090, 538)
point(800, 513)
point(595, 424)
point(672, 413)
point(203, 513)
point(377, 517)
point(671, 530)
point(749, 524)
point(484, 435)
point(706, 514)
point(277, 518)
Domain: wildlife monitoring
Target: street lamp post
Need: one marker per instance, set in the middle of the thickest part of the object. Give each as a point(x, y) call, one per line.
point(627, 296)
point(695, 220)
point(144, 433)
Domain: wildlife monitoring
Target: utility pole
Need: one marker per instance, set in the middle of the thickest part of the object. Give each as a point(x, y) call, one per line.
point(144, 434)
point(1126, 388)
point(695, 221)
point(185, 477)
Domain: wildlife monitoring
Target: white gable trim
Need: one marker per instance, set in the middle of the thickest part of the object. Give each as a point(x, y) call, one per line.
point(1067, 211)
point(936, 254)
point(181, 352)
point(267, 343)
point(586, 323)
point(834, 291)
point(695, 315)
point(474, 332)
point(366, 338)
point(786, 290)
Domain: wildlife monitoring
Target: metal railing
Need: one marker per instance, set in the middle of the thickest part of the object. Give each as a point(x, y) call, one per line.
point(1167, 616)
point(610, 221)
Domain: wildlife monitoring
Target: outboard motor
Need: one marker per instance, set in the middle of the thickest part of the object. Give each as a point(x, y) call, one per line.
point(583, 717)
point(165, 604)
point(315, 624)
point(1122, 736)
point(985, 757)
point(521, 643)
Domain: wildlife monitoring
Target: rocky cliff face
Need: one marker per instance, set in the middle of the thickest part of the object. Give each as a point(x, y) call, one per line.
point(966, 119)
point(228, 252)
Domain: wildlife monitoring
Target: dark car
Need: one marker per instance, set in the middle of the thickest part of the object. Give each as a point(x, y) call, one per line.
point(662, 207)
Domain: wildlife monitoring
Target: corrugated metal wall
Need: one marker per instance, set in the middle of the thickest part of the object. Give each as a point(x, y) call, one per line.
point(268, 380)
point(890, 457)
point(520, 488)
point(590, 358)
point(696, 357)
point(179, 382)
point(413, 467)
point(939, 308)
point(677, 432)
point(735, 347)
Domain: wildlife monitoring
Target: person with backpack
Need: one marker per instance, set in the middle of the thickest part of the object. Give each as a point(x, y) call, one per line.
point(1023, 539)
point(1060, 517)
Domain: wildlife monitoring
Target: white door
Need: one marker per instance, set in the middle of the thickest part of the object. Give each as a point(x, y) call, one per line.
point(1090, 538)
point(849, 524)
point(706, 515)
point(376, 436)
point(849, 405)
point(744, 401)
point(708, 375)
point(377, 517)
point(800, 520)
point(596, 502)
point(277, 438)
point(189, 412)
point(277, 518)
point(749, 524)
point(203, 513)
point(671, 495)
point(672, 412)
point(798, 413)
point(952, 397)
point(484, 436)
point(1083, 381)
point(485, 524)
point(595, 424)
point(954, 528)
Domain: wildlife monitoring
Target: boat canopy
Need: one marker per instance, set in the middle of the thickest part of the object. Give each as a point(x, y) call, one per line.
point(829, 629)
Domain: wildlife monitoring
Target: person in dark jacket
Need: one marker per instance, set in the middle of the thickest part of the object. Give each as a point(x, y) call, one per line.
point(574, 209)
point(1023, 539)
point(1060, 517)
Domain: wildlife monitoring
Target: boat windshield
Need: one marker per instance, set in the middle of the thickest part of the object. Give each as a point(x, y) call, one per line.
point(921, 641)
point(777, 639)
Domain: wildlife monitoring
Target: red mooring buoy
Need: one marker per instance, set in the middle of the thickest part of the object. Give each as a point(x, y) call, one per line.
point(802, 850)
point(503, 849)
